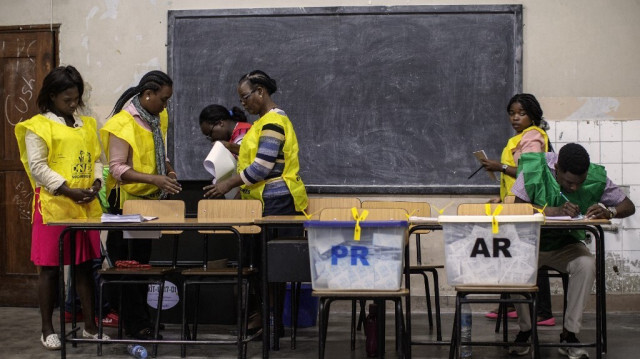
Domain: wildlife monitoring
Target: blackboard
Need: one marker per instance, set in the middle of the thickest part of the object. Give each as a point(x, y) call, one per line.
point(383, 99)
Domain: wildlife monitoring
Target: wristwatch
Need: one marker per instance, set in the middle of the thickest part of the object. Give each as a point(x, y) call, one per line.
point(613, 212)
point(504, 168)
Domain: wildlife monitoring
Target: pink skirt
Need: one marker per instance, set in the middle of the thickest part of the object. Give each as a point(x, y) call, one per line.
point(45, 239)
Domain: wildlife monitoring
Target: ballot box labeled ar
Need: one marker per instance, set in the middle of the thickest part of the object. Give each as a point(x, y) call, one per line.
point(341, 261)
point(488, 250)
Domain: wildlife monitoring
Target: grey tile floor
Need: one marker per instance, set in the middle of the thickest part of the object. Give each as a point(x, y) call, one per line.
point(20, 333)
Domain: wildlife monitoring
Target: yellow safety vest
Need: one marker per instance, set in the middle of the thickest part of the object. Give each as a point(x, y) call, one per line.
point(249, 149)
point(124, 126)
point(72, 154)
point(506, 181)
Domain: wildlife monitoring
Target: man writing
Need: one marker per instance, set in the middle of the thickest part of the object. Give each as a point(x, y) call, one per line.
point(567, 184)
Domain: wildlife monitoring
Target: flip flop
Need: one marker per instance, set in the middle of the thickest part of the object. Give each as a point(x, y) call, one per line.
point(52, 342)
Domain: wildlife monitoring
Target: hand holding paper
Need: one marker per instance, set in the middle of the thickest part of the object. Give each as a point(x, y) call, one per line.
point(221, 163)
point(481, 155)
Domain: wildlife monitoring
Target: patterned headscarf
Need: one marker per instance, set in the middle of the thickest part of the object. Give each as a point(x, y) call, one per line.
point(158, 142)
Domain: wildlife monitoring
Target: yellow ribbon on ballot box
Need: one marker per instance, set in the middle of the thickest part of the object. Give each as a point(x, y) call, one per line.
point(358, 217)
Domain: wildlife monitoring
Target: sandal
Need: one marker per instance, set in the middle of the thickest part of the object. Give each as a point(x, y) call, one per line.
point(87, 335)
point(52, 342)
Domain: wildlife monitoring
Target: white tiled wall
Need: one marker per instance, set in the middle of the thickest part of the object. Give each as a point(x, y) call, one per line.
point(616, 145)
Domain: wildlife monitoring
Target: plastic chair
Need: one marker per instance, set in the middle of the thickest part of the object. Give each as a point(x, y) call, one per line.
point(326, 297)
point(216, 211)
point(418, 209)
point(171, 211)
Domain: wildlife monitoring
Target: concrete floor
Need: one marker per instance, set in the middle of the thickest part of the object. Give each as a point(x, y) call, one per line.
point(20, 332)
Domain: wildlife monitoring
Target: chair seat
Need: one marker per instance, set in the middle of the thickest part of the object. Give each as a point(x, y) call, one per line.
point(498, 289)
point(152, 271)
point(361, 293)
point(425, 266)
point(217, 271)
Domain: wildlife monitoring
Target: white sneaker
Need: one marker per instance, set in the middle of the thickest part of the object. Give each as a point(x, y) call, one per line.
point(572, 352)
point(522, 337)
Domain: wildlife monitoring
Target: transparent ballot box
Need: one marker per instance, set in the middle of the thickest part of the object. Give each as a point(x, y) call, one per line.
point(477, 256)
point(338, 261)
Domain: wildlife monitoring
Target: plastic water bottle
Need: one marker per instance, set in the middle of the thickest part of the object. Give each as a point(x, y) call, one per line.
point(465, 316)
point(137, 351)
point(272, 331)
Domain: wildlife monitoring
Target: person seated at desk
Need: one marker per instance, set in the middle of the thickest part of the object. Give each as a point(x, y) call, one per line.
point(567, 184)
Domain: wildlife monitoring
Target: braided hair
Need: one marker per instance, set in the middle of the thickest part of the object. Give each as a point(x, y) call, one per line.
point(152, 80)
point(214, 113)
point(59, 80)
point(533, 109)
point(573, 158)
point(260, 78)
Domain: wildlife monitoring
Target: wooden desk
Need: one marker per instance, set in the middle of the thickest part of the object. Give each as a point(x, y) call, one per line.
point(190, 224)
point(592, 226)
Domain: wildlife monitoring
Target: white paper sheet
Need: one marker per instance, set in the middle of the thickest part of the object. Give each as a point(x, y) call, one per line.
point(221, 164)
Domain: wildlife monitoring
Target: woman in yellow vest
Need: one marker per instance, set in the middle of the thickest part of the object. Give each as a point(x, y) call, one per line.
point(134, 143)
point(525, 115)
point(268, 161)
point(61, 154)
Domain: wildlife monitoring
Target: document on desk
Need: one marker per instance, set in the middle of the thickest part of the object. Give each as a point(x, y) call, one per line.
point(221, 164)
point(481, 155)
point(125, 218)
point(579, 217)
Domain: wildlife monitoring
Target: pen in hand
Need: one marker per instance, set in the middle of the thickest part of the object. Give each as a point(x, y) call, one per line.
point(570, 206)
point(474, 173)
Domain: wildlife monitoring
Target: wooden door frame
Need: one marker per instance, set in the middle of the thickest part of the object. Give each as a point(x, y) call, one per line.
point(18, 289)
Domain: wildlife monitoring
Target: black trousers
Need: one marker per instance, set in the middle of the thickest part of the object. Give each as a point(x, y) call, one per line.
point(135, 311)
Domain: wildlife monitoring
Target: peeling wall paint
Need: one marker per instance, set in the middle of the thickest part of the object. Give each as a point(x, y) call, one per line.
point(595, 108)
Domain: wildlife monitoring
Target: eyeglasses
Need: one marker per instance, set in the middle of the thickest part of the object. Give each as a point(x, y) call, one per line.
point(246, 97)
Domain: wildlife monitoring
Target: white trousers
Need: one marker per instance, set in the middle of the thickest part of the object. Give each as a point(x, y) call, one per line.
point(576, 260)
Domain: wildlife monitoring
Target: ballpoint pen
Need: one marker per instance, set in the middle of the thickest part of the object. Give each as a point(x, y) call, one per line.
point(474, 173)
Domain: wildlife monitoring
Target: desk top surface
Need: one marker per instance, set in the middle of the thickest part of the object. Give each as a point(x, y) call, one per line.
point(295, 219)
point(156, 223)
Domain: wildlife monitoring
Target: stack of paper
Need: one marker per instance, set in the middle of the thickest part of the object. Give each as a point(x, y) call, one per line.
point(125, 218)
point(221, 163)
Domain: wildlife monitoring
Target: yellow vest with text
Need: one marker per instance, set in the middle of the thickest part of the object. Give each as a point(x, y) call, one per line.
point(249, 149)
point(72, 154)
point(125, 127)
point(506, 181)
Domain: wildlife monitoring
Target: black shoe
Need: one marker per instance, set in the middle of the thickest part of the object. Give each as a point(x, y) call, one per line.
point(522, 337)
point(145, 334)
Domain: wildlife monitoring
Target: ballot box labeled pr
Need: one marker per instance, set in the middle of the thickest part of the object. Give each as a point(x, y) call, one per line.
point(341, 261)
point(488, 250)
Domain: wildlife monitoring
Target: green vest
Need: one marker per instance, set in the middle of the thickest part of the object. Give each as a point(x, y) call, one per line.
point(543, 189)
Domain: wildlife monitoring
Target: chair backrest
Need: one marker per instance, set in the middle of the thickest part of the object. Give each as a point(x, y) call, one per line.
point(418, 209)
point(375, 214)
point(509, 199)
point(508, 209)
point(317, 204)
point(166, 211)
point(219, 210)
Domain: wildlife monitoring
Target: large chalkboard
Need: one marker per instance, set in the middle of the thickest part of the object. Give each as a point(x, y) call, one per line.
point(383, 99)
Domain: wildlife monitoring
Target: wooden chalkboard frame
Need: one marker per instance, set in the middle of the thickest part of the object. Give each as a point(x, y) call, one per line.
point(478, 185)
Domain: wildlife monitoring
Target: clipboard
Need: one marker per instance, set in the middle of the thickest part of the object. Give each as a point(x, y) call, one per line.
point(481, 155)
